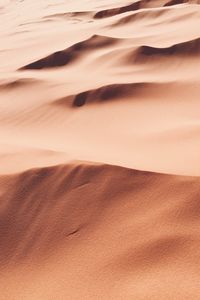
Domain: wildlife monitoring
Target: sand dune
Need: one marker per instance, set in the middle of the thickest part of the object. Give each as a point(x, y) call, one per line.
point(136, 5)
point(99, 155)
point(104, 93)
point(71, 54)
point(187, 48)
point(93, 230)
point(75, 52)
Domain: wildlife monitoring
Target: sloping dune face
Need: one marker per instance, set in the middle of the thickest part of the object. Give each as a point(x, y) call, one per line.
point(99, 149)
point(93, 231)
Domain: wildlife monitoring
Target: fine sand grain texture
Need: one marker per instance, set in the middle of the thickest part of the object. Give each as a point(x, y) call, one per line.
point(99, 150)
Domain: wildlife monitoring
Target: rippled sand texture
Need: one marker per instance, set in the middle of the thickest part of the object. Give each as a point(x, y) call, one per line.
point(99, 150)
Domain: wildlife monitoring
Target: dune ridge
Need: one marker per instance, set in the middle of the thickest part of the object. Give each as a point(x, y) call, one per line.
point(64, 57)
point(159, 15)
point(102, 94)
point(75, 52)
point(185, 48)
point(137, 5)
point(175, 2)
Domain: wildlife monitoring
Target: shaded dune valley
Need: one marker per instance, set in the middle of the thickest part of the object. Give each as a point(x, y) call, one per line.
point(99, 150)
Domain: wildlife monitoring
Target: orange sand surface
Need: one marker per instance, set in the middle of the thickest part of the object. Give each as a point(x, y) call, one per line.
point(99, 149)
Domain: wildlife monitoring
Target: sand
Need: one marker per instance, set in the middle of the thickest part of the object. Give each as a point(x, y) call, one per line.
point(99, 150)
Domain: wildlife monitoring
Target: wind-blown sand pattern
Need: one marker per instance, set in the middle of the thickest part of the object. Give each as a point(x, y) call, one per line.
point(99, 155)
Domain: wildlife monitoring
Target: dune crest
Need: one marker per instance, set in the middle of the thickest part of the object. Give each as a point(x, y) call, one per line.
point(64, 57)
point(187, 48)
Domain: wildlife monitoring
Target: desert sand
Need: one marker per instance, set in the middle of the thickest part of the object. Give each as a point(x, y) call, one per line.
point(99, 150)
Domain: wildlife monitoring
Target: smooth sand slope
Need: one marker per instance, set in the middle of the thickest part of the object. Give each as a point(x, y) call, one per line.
point(86, 231)
point(99, 150)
